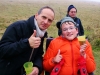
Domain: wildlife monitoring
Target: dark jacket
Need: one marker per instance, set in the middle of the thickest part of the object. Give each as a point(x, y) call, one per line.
point(15, 49)
point(78, 23)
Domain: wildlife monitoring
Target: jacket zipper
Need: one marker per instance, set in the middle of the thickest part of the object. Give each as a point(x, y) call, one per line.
point(72, 59)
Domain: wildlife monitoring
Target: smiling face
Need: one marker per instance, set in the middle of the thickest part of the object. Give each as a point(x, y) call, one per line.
point(69, 31)
point(45, 18)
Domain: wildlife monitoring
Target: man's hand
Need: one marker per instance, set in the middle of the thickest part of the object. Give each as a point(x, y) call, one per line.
point(34, 41)
point(35, 71)
point(57, 58)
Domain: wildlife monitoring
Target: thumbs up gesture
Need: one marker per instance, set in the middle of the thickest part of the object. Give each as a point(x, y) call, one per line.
point(58, 57)
point(34, 41)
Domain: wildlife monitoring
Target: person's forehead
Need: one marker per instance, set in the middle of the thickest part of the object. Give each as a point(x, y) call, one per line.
point(67, 24)
point(73, 9)
point(48, 13)
point(47, 10)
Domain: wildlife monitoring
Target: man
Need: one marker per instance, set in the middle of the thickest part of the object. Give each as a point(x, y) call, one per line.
point(20, 38)
point(72, 12)
point(64, 52)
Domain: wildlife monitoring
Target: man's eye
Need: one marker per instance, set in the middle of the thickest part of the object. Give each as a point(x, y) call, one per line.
point(49, 20)
point(43, 17)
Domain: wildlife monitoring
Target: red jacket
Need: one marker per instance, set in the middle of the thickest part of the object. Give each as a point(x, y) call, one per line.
point(70, 50)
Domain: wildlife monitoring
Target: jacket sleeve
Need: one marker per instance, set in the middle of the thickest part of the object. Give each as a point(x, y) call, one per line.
point(49, 55)
point(90, 62)
point(38, 62)
point(38, 58)
point(11, 44)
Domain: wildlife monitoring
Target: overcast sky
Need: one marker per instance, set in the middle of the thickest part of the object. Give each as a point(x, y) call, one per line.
point(48, 0)
point(94, 0)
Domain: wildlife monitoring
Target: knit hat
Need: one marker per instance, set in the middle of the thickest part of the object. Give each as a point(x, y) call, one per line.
point(70, 7)
point(65, 19)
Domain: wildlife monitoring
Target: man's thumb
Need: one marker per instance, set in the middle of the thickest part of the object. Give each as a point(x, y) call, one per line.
point(34, 34)
point(58, 52)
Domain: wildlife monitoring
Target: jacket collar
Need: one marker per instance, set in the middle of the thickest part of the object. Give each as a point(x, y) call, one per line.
point(31, 23)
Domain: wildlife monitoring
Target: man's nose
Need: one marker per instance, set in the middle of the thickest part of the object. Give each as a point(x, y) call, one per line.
point(46, 20)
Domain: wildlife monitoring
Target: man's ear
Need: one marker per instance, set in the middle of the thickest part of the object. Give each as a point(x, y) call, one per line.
point(36, 15)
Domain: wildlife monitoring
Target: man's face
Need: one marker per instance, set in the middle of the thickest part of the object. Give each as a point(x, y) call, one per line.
point(72, 13)
point(69, 31)
point(45, 18)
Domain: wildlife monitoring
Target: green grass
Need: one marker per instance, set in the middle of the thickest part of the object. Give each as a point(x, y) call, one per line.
point(97, 60)
point(88, 12)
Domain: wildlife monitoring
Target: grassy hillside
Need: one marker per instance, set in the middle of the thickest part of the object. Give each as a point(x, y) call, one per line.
point(88, 12)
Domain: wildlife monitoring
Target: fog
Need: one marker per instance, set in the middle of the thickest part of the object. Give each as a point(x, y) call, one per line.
point(47, 0)
point(92, 0)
